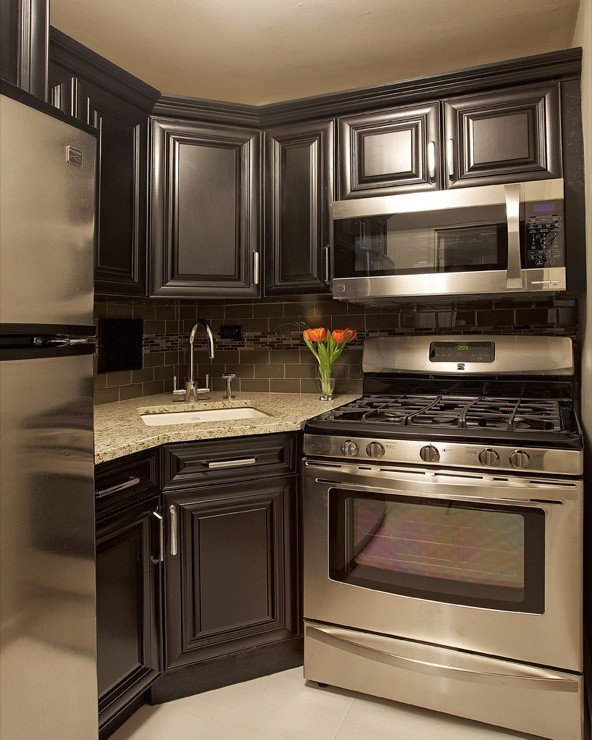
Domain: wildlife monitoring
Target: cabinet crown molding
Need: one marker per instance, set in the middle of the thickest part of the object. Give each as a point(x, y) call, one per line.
point(555, 65)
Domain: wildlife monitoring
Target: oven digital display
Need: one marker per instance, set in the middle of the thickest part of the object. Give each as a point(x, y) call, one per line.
point(543, 208)
point(462, 351)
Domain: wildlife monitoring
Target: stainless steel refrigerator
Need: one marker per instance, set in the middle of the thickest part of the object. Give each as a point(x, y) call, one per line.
point(48, 682)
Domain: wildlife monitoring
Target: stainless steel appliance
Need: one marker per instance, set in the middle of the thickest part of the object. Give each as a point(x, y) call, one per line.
point(494, 239)
point(443, 529)
point(48, 681)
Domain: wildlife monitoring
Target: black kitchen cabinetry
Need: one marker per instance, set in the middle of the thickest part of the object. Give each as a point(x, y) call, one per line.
point(129, 550)
point(299, 189)
point(23, 44)
point(92, 89)
point(232, 604)
point(390, 151)
point(503, 136)
point(204, 209)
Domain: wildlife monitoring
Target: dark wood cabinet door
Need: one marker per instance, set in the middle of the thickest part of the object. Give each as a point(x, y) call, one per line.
point(128, 593)
point(392, 151)
point(204, 210)
point(120, 257)
point(299, 190)
point(503, 136)
point(230, 574)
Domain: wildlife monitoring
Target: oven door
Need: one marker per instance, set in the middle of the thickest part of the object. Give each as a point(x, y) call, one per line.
point(481, 563)
point(493, 239)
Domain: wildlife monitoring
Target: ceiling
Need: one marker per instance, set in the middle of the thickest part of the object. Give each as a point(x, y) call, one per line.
point(263, 51)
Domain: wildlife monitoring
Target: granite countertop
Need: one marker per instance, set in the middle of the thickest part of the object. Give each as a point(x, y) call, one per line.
point(120, 431)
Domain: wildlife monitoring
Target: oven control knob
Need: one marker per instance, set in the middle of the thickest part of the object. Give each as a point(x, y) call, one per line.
point(350, 448)
point(489, 457)
point(519, 459)
point(375, 449)
point(429, 454)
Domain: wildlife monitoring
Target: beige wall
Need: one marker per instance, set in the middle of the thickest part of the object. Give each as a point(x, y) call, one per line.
point(583, 37)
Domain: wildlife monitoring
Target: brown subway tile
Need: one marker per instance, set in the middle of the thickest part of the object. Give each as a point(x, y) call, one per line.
point(155, 386)
point(100, 381)
point(172, 326)
point(299, 371)
point(255, 325)
point(283, 356)
point(141, 376)
point(188, 312)
point(255, 356)
point(268, 310)
point(269, 371)
point(152, 359)
point(154, 327)
point(164, 371)
point(227, 355)
point(284, 385)
point(255, 385)
point(101, 310)
point(121, 310)
point(238, 311)
point(309, 385)
point(122, 377)
point(242, 371)
point(165, 312)
point(144, 311)
point(171, 358)
point(130, 391)
point(285, 325)
point(106, 395)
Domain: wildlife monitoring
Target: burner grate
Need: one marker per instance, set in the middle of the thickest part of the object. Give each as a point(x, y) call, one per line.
point(458, 412)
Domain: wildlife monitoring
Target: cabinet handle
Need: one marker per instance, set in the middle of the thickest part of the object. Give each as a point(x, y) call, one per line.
point(160, 519)
point(327, 265)
point(432, 160)
point(218, 464)
point(174, 544)
point(133, 481)
point(255, 268)
point(450, 157)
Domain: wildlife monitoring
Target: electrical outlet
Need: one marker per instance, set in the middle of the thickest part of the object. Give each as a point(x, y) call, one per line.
point(228, 331)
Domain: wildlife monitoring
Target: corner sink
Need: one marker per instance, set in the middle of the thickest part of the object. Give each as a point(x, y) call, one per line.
point(195, 417)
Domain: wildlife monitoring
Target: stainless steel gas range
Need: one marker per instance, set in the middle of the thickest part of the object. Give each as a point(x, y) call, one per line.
point(443, 532)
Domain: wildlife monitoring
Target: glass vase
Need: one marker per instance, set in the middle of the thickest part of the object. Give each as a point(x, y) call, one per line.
point(326, 382)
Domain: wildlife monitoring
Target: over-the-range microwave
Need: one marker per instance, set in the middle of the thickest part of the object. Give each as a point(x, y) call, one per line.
point(494, 239)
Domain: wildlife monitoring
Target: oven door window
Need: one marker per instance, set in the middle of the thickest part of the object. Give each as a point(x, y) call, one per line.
point(422, 243)
point(475, 554)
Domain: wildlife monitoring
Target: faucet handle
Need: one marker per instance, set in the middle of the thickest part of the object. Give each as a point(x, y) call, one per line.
point(228, 377)
point(177, 391)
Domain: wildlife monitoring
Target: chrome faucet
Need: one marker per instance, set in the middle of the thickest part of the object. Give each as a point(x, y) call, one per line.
point(192, 392)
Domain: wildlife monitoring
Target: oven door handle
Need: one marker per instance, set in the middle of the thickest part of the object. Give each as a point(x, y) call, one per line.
point(535, 497)
point(514, 273)
point(436, 669)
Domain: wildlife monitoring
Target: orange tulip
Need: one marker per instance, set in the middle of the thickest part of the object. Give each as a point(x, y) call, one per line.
point(343, 335)
point(315, 335)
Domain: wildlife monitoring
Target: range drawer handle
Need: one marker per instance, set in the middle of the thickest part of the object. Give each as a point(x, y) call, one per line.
point(219, 464)
point(133, 481)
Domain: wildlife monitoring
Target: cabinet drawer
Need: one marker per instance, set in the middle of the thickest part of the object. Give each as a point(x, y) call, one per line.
point(119, 481)
point(244, 458)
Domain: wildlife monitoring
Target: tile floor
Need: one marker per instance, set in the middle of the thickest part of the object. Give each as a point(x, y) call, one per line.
point(285, 706)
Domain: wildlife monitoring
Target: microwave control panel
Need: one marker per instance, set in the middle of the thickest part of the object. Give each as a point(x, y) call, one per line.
point(544, 234)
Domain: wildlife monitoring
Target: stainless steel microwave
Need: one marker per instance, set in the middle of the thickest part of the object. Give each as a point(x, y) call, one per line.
point(494, 239)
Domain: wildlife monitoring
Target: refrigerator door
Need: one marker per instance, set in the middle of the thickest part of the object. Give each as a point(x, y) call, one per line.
point(48, 678)
point(47, 185)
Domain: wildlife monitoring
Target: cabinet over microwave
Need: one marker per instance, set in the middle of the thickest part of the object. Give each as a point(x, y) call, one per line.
point(494, 239)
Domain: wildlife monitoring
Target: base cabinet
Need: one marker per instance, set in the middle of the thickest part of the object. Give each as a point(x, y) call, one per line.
point(231, 582)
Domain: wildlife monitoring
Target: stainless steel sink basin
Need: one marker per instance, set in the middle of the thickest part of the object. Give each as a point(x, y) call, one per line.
point(195, 417)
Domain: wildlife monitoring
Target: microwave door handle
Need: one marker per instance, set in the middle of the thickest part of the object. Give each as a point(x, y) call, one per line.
point(514, 273)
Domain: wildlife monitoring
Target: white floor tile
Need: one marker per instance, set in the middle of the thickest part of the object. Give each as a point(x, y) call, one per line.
point(380, 719)
point(285, 707)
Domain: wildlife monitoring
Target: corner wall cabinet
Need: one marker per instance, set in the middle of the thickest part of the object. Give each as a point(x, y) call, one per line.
point(204, 210)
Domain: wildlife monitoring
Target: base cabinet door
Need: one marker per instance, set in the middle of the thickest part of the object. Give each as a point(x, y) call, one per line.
point(230, 573)
point(128, 577)
point(503, 136)
point(204, 210)
point(299, 190)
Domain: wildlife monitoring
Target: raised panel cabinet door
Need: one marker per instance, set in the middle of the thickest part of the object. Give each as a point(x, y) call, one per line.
point(390, 151)
point(120, 255)
point(230, 575)
point(503, 136)
point(204, 210)
point(128, 592)
point(23, 44)
point(299, 190)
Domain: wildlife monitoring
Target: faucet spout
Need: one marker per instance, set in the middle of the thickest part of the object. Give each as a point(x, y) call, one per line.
point(191, 390)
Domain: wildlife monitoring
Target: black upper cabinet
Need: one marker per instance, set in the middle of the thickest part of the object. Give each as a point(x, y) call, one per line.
point(503, 136)
point(390, 151)
point(204, 209)
point(299, 189)
point(117, 105)
point(23, 44)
